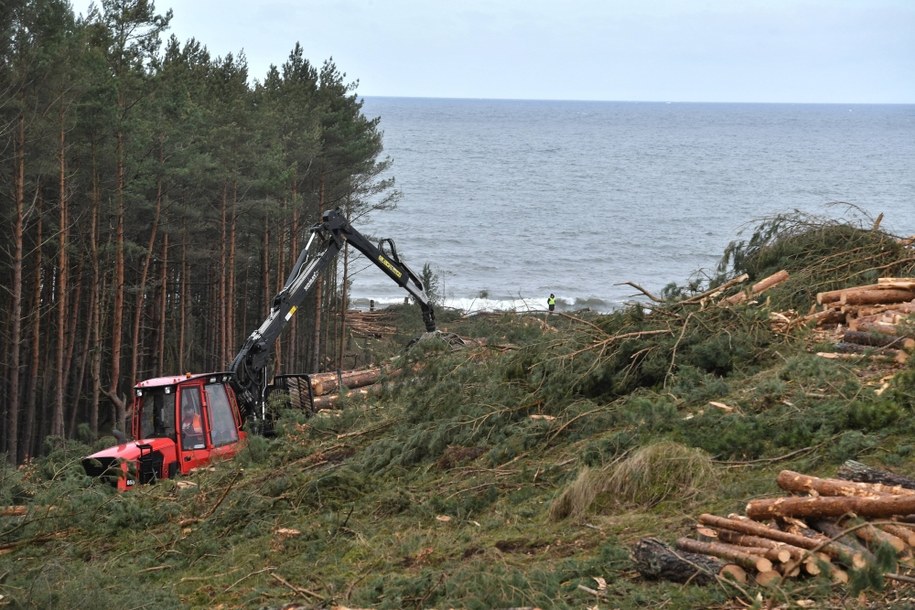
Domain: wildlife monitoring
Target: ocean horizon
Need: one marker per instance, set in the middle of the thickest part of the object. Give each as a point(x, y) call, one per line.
point(510, 200)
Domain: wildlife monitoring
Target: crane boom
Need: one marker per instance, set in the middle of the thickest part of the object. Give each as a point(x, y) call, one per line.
point(249, 367)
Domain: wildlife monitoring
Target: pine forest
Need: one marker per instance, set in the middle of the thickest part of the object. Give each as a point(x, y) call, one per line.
point(153, 196)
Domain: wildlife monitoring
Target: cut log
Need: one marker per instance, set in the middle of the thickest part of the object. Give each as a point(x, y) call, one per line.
point(770, 578)
point(734, 572)
point(839, 576)
point(848, 551)
point(717, 289)
point(790, 570)
point(861, 556)
point(878, 339)
point(326, 383)
point(874, 536)
point(802, 483)
point(835, 296)
point(707, 533)
point(773, 280)
point(883, 506)
point(872, 311)
point(826, 317)
point(747, 526)
point(654, 559)
point(812, 566)
point(760, 286)
point(852, 470)
point(776, 556)
point(868, 296)
point(786, 552)
point(859, 357)
point(906, 534)
point(879, 326)
point(330, 401)
point(724, 551)
point(755, 528)
point(816, 567)
point(855, 348)
point(896, 355)
point(902, 283)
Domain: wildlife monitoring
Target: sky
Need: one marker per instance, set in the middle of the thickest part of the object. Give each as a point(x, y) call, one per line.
point(796, 51)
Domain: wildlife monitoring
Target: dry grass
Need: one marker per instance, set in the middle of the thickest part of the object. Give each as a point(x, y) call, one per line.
point(650, 475)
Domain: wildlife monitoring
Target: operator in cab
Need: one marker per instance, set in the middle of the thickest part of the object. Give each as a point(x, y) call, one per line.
point(191, 425)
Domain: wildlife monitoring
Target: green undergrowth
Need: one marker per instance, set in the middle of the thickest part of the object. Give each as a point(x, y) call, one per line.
point(516, 472)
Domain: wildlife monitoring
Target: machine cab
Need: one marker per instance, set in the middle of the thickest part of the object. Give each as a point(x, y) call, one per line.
point(179, 423)
point(198, 413)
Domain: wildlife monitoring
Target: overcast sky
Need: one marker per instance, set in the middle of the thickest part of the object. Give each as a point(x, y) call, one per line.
point(843, 51)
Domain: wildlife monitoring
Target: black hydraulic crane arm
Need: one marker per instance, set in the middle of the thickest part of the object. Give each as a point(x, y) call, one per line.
point(248, 369)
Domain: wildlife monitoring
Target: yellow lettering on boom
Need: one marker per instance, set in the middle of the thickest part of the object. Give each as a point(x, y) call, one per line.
point(390, 266)
point(291, 311)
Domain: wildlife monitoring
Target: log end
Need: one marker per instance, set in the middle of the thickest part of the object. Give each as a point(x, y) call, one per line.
point(734, 572)
point(770, 578)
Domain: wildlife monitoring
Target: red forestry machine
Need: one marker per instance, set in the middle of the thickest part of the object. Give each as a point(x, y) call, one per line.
point(184, 422)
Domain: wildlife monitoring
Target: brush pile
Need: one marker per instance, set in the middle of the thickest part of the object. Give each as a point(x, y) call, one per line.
point(864, 520)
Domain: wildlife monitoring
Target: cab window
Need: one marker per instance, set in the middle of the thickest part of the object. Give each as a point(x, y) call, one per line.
point(157, 413)
point(191, 419)
point(222, 423)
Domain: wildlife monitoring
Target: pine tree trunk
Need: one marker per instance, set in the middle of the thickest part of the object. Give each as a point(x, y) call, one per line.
point(163, 309)
point(140, 305)
point(57, 421)
point(117, 320)
point(211, 330)
point(34, 375)
point(263, 303)
point(78, 372)
point(230, 278)
point(280, 257)
point(292, 355)
point(95, 315)
point(15, 313)
point(184, 291)
point(222, 323)
point(317, 365)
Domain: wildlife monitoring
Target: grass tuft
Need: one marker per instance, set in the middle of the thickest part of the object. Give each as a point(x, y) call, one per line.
point(653, 474)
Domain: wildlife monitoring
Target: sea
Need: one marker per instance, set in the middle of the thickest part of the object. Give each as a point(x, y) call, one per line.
point(508, 201)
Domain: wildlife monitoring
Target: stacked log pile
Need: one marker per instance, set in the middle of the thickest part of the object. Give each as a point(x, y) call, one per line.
point(325, 390)
point(372, 324)
point(825, 527)
point(873, 319)
point(316, 391)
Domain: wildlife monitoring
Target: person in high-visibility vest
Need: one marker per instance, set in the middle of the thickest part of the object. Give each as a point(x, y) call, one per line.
point(190, 420)
point(551, 302)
